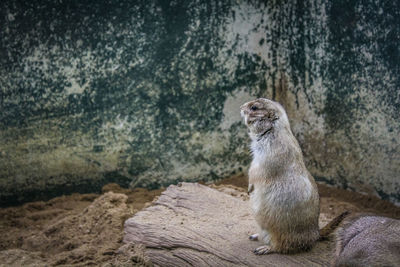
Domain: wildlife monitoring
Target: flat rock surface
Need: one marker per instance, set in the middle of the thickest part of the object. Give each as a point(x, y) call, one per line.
point(192, 224)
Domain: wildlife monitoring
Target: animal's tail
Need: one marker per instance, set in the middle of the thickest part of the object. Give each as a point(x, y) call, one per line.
point(331, 226)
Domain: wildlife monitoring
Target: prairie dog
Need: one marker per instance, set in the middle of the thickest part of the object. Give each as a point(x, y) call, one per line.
point(283, 194)
point(368, 240)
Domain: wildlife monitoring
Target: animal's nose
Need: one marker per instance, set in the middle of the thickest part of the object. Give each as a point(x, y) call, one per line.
point(243, 111)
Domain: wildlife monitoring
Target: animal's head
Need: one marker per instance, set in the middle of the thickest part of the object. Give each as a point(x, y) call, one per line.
point(263, 116)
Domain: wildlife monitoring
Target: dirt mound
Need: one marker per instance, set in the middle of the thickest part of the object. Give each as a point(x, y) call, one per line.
point(78, 230)
point(130, 255)
point(19, 257)
point(84, 238)
point(18, 223)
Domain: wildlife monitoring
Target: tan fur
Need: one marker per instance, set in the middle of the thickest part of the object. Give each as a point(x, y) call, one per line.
point(367, 240)
point(284, 195)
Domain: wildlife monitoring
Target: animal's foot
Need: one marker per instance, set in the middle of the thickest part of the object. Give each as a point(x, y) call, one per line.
point(253, 237)
point(263, 250)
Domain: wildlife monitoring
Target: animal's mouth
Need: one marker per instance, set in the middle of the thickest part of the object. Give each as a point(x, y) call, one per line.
point(245, 116)
point(249, 120)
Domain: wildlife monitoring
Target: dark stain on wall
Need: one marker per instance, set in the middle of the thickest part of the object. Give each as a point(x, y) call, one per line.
point(355, 28)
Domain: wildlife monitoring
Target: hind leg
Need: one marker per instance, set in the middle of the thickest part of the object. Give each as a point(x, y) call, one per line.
point(263, 250)
point(266, 238)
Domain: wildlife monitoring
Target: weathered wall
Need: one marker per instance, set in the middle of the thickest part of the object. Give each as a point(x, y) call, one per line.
point(146, 93)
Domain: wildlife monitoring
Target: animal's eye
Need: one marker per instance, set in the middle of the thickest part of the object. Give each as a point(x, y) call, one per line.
point(253, 108)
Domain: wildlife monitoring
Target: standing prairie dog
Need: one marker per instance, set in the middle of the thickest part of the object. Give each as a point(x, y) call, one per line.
point(283, 194)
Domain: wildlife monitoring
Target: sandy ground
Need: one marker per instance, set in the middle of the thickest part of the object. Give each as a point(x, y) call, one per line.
point(87, 229)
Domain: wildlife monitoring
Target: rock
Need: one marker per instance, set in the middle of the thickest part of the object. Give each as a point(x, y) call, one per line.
point(192, 224)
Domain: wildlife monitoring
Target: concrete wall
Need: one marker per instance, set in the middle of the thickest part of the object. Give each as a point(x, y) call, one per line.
point(146, 93)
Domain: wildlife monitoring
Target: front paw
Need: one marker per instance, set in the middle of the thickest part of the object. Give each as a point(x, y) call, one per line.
point(263, 250)
point(254, 237)
point(250, 189)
